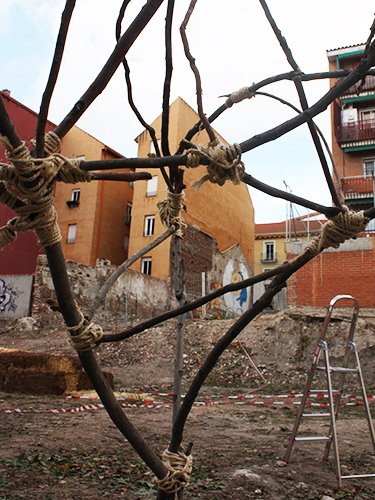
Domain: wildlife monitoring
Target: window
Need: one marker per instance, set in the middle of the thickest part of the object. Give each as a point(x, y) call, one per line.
point(367, 115)
point(146, 265)
point(269, 254)
point(75, 195)
point(128, 216)
point(74, 200)
point(368, 165)
point(149, 225)
point(152, 186)
point(72, 230)
point(152, 152)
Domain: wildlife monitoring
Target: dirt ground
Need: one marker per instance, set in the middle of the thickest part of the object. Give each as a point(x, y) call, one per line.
point(238, 443)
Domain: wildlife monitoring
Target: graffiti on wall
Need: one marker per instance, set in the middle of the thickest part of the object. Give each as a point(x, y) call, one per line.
point(15, 295)
point(236, 302)
point(231, 304)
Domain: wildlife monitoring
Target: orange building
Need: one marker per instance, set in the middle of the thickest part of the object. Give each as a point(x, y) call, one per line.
point(225, 213)
point(92, 216)
point(353, 131)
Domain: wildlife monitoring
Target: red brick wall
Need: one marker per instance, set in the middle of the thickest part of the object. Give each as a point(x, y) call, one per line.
point(333, 273)
point(196, 252)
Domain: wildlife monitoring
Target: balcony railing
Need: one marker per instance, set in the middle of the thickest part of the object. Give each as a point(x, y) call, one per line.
point(356, 131)
point(369, 85)
point(357, 187)
point(270, 258)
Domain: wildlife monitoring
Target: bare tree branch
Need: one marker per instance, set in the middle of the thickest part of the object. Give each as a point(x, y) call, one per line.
point(194, 68)
point(167, 80)
point(55, 68)
point(7, 127)
point(115, 59)
point(190, 306)
point(121, 176)
point(304, 104)
point(276, 285)
point(266, 94)
point(130, 95)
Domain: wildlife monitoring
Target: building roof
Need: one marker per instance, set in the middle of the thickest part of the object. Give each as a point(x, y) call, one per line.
point(345, 51)
point(278, 229)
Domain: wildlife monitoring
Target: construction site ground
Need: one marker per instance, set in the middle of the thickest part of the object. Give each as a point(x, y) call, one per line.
point(239, 431)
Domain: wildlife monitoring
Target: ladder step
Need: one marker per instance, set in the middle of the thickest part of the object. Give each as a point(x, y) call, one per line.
point(316, 415)
point(358, 475)
point(337, 369)
point(313, 438)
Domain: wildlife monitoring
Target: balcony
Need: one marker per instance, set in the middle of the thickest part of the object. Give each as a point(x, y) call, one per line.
point(72, 203)
point(357, 188)
point(268, 258)
point(368, 86)
point(356, 132)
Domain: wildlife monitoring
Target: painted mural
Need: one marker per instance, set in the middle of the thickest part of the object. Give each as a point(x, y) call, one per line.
point(15, 295)
point(236, 302)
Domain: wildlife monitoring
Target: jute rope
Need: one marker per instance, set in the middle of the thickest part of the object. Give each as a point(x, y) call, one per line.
point(240, 95)
point(88, 338)
point(224, 163)
point(179, 466)
point(170, 211)
point(340, 228)
point(33, 180)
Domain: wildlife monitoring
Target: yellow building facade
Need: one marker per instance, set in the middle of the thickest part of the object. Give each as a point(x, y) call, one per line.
point(225, 213)
point(91, 215)
point(270, 239)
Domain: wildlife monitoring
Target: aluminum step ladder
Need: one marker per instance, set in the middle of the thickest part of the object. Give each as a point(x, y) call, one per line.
point(334, 395)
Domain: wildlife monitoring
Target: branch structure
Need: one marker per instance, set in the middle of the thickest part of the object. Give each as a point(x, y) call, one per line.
point(202, 116)
point(190, 306)
point(57, 58)
point(100, 83)
point(102, 170)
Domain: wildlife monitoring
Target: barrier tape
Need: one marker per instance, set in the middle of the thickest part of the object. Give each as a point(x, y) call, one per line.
point(254, 399)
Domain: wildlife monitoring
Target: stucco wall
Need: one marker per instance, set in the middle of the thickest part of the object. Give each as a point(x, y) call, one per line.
point(102, 206)
point(225, 213)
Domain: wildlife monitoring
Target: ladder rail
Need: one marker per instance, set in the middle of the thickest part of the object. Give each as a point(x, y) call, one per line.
point(334, 401)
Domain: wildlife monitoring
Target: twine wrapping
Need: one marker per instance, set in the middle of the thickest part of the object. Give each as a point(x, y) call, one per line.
point(33, 180)
point(240, 95)
point(340, 228)
point(88, 338)
point(179, 469)
point(224, 163)
point(170, 211)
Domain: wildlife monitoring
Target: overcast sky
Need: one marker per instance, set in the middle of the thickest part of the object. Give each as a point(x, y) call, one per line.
point(234, 47)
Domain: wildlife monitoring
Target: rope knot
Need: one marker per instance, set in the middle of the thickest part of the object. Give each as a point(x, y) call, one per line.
point(338, 229)
point(179, 469)
point(88, 338)
point(32, 180)
point(224, 163)
point(240, 95)
point(170, 211)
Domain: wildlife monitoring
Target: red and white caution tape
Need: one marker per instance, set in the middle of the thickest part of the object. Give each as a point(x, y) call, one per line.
point(140, 401)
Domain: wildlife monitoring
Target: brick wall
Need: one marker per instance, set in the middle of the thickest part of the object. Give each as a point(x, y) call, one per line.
point(332, 273)
point(197, 252)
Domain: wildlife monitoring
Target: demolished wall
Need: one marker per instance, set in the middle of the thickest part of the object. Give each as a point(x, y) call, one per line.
point(132, 295)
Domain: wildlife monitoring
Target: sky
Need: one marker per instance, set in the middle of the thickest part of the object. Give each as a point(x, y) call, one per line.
point(233, 46)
